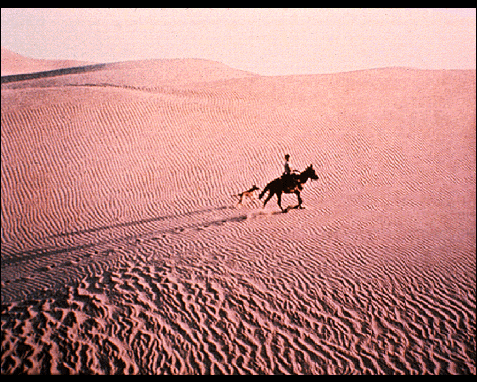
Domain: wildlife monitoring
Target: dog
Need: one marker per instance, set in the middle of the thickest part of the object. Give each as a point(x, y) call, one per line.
point(249, 194)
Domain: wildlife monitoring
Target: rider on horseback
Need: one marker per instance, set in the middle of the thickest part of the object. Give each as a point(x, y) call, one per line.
point(289, 182)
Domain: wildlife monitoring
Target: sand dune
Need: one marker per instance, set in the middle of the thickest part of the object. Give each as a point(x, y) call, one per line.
point(14, 63)
point(123, 251)
point(140, 75)
point(51, 73)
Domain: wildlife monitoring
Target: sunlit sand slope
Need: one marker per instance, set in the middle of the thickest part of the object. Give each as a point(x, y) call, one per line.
point(123, 250)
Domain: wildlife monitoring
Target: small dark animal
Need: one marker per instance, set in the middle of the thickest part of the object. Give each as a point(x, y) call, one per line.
point(246, 194)
point(288, 184)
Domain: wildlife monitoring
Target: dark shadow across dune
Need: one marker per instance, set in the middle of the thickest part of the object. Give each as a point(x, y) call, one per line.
point(52, 73)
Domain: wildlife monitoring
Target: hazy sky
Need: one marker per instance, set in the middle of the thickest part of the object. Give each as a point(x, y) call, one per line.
point(264, 41)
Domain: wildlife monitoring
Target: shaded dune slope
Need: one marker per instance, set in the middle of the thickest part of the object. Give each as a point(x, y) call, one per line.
point(51, 73)
point(122, 251)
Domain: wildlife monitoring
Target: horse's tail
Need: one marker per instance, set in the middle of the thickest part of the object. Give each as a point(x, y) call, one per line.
point(267, 188)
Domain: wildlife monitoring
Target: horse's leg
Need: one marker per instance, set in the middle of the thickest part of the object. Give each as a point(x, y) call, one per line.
point(270, 194)
point(300, 201)
point(279, 200)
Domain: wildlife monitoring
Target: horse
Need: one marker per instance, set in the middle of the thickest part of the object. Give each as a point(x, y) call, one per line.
point(288, 184)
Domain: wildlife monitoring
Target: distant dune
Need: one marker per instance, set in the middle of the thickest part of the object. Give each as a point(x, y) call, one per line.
point(123, 250)
point(14, 63)
point(147, 74)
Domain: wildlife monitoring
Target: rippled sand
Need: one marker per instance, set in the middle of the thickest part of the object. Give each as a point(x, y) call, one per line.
point(123, 250)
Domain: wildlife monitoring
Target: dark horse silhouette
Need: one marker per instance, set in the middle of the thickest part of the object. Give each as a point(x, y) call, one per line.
point(288, 184)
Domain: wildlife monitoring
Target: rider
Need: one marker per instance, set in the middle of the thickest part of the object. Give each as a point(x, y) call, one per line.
point(287, 166)
point(287, 175)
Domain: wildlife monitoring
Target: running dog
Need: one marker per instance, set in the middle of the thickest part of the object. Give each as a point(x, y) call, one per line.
point(249, 194)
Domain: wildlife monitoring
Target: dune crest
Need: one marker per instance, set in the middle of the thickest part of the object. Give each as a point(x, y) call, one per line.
point(21, 72)
point(14, 63)
point(123, 251)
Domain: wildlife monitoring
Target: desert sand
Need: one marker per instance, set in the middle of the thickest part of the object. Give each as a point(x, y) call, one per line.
point(14, 63)
point(123, 250)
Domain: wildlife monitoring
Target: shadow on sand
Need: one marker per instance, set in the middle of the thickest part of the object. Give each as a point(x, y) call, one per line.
point(28, 255)
point(52, 73)
point(138, 222)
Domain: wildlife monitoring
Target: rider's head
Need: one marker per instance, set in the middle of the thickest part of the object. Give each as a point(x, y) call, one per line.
point(287, 156)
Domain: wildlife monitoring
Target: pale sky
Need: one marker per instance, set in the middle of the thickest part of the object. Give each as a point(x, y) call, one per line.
point(264, 41)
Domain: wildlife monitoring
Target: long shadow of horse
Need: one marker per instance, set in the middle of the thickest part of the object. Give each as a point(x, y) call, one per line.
point(289, 184)
point(46, 251)
point(138, 222)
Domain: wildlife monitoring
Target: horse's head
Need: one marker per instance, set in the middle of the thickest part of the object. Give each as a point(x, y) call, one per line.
point(310, 172)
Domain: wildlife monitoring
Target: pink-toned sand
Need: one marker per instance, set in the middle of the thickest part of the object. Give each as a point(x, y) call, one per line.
point(13, 63)
point(123, 250)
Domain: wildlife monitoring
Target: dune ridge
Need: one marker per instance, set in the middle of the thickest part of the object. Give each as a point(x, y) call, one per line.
point(143, 74)
point(123, 251)
point(16, 64)
point(50, 73)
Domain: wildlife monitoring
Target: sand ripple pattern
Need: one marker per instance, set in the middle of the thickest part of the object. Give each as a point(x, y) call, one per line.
point(123, 251)
point(201, 319)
